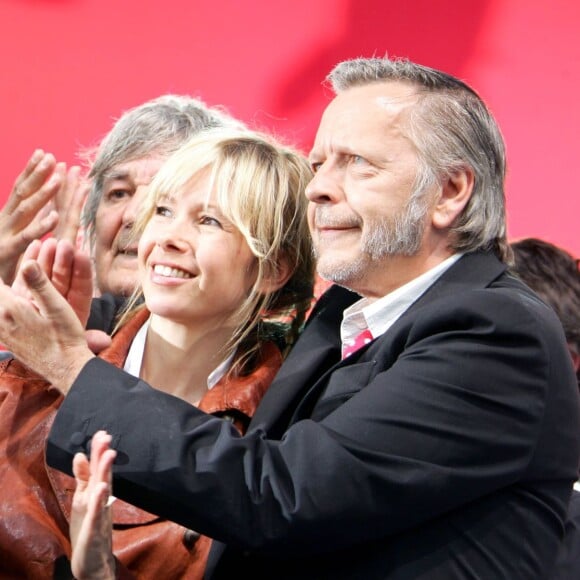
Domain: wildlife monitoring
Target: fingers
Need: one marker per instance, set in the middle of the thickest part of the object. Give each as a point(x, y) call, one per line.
point(70, 200)
point(99, 444)
point(45, 198)
point(62, 266)
point(34, 160)
point(96, 471)
point(46, 254)
point(97, 340)
point(81, 471)
point(98, 500)
point(80, 289)
point(39, 224)
point(82, 271)
point(69, 272)
point(43, 331)
point(32, 250)
point(101, 467)
point(46, 297)
point(27, 215)
point(39, 167)
point(68, 269)
point(68, 188)
point(31, 253)
point(27, 200)
point(105, 471)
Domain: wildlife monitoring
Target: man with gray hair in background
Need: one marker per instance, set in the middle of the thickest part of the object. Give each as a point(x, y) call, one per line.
point(424, 425)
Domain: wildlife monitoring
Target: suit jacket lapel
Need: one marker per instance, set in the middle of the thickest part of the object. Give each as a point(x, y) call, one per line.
point(317, 350)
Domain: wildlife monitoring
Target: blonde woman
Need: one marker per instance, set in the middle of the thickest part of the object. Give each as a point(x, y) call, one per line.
point(226, 277)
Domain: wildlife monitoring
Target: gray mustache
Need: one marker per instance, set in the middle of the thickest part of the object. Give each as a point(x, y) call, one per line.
point(324, 218)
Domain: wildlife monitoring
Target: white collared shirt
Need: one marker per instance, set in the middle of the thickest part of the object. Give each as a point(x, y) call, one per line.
point(379, 315)
point(135, 358)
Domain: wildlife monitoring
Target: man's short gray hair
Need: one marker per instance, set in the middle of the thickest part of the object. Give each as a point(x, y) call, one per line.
point(452, 129)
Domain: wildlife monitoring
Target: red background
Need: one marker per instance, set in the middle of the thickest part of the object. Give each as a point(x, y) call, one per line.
point(68, 67)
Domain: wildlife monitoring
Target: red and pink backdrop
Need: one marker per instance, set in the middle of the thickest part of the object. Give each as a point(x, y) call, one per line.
point(68, 67)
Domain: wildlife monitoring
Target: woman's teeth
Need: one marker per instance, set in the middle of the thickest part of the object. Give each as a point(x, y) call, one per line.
point(169, 272)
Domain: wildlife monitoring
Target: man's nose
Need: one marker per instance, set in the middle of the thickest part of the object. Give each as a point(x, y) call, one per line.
point(325, 186)
point(133, 205)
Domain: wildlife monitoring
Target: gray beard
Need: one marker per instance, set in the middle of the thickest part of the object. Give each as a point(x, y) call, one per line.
point(400, 235)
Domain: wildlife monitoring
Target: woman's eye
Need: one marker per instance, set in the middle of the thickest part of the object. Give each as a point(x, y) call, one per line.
point(315, 166)
point(207, 220)
point(163, 211)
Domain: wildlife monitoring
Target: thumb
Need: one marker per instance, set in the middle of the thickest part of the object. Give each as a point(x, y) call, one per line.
point(32, 274)
point(44, 294)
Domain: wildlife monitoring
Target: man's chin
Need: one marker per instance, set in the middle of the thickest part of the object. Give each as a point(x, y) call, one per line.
point(120, 285)
point(343, 273)
point(120, 278)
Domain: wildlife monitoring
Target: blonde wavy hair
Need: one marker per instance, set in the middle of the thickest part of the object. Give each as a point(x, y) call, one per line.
point(259, 187)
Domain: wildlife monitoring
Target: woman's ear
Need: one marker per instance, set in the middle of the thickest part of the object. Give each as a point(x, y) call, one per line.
point(277, 277)
point(455, 193)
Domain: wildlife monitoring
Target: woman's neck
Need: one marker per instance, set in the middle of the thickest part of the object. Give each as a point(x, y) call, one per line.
point(178, 359)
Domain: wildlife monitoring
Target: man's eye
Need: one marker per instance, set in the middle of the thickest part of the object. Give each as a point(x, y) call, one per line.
point(315, 166)
point(116, 194)
point(358, 160)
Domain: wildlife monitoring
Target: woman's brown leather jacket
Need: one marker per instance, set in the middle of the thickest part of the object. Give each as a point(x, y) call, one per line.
point(35, 499)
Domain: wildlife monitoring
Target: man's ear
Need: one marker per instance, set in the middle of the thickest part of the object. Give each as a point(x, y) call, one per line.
point(455, 193)
point(277, 277)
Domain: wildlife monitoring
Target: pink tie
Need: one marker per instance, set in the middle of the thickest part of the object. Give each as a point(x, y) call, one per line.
point(363, 338)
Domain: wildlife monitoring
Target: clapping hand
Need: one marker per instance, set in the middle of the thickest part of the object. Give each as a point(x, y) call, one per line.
point(90, 525)
point(45, 198)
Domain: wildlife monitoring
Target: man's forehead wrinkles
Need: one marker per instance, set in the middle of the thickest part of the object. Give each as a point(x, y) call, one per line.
point(331, 149)
point(118, 175)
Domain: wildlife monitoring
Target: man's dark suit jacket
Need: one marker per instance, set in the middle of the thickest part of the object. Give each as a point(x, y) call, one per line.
point(568, 562)
point(446, 448)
